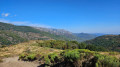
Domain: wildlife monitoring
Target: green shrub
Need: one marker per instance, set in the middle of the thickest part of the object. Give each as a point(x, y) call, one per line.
point(21, 56)
point(76, 54)
point(47, 60)
point(31, 57)
point(53, 57)
point(106, 61)
point(27, 57)
point(71, 55)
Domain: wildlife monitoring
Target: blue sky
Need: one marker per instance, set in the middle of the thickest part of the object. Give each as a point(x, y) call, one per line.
point(89, 16)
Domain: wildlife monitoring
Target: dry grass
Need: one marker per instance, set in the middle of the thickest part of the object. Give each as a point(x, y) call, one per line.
point(15, 50)
point(115, 54)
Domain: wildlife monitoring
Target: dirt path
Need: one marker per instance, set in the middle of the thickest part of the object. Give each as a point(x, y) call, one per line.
point(13, 62)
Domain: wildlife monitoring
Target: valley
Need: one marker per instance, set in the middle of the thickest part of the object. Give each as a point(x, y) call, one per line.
point(59, 33)
point(26, 46)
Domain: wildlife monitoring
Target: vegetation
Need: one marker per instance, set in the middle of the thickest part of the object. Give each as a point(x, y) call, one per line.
point(11, 34)
point(58, 50)
point(9, 38)
point(25, 50)
point(59, 44)
point(111, 42)
point(106, 61)
point(47, 56)
point(78, 58)
point(27, 57)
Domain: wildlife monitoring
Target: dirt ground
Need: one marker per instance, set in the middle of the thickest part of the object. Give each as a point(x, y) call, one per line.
point(14, 62)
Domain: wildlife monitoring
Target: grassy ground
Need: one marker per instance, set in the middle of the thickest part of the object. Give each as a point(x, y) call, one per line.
point(26, 47)
point(29, 47)
point(115, 54)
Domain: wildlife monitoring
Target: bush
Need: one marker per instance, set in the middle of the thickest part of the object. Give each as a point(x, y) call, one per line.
point(22, 56)
point(77, 54)
point(53, 57)
point(31, 57)
point(71, 55)
point(47, 60)
point(106, 61)
point(96, 48)
point(82, 46)
point(27, 57)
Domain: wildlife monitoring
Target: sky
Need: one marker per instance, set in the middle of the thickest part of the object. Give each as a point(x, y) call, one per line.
point(88, 16)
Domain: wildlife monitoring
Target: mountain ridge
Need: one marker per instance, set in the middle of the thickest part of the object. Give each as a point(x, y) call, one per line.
point(29, 33)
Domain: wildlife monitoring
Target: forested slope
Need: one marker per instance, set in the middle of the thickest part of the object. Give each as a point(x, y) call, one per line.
point(12, 34)
point(111, 42)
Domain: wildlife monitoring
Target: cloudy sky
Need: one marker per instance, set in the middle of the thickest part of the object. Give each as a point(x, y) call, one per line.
point(89, 16)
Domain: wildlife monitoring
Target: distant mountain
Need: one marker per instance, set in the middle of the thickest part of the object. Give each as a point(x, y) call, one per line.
point(75, 36)
point(54, 31)
point(61, 32)
point(85, 36)
point(12, 34)
point(111, 42)
point(99, 34)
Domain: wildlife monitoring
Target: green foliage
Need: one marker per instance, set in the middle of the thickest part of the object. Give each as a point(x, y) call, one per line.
point(111, 42)
point(47, 60)
point(8, 38)
point(27, 57)
point(4, 41)
point(106, 61)
point(59, 44)
point(31, 57)
point(53, 56)
point(71, 55)
point(76, 58)
point(76, 54)
point(21, 56)
point(96, 48)
point(82, 46)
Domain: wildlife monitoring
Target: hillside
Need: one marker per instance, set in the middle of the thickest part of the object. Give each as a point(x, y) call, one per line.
point(36, 56)
point(111, 42)
point(12, 34)
point(7, 37)
point(85, 36)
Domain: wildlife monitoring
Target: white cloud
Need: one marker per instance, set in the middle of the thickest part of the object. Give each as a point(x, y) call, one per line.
point(5, 14)
point(25, 23)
